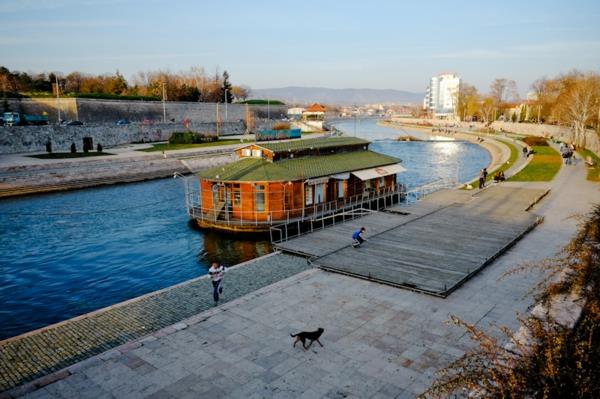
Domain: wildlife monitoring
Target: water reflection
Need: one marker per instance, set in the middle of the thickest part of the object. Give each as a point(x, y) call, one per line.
point(230, 250)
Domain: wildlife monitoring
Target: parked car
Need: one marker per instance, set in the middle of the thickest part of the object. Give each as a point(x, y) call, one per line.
point(123, 122)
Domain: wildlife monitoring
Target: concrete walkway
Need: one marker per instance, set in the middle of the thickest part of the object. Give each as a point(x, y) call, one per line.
point(52, 348)
point(379, 341)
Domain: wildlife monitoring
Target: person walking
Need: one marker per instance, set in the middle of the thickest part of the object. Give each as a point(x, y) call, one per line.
point(216, 273)
point(357, 237)
point(482, 175)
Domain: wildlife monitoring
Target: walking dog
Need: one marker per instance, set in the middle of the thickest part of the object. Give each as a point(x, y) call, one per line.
point(312, 336)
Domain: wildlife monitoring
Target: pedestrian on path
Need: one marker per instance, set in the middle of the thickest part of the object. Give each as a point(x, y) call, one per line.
point(482, 176)
point(216, 273)
point(357, 237)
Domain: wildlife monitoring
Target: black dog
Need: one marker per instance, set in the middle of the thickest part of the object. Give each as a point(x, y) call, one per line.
point(311, 336)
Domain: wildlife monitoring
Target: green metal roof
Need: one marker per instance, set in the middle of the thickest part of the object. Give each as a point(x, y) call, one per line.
point(304, 144)
point(257, 169)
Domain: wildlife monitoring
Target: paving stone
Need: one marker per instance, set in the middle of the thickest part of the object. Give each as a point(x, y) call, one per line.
point(163, 313)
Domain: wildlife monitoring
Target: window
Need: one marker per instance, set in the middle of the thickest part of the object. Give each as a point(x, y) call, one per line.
point(236, 195)
point(308, 195)
point(246, 152)
point(320, 193)
point(381, 182)
point(340, 189)
point(257, 153)
point(259, 197)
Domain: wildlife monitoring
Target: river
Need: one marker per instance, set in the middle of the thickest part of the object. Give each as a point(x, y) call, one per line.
point(69, 253)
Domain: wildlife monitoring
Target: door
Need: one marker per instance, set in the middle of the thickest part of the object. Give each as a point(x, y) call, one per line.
point(319, 193)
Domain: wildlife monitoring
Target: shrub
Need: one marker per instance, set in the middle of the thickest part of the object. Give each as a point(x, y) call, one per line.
point(557, 361)
point(281, 126)
point(262, 102)
point(192, 138)
point(535, 141)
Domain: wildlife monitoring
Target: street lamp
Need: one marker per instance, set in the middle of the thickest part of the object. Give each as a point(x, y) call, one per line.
point(225, 93)
point(163, 102)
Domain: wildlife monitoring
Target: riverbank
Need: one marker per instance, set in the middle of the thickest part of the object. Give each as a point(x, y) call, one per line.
point(379, 341)
point(53, 348)
point(22, 174)
point(498, 151)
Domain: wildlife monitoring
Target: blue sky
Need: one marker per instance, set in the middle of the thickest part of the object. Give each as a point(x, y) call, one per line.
point(338, 44)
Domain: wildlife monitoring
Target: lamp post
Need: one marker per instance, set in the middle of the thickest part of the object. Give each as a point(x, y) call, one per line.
point(225, 93)
point(163, 102)
point(57, 97)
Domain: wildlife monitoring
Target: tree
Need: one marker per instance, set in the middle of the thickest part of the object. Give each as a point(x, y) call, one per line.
point(488, 109)
point(226, 95)
point(467, 101)
point(580, 105)
point(240, 93)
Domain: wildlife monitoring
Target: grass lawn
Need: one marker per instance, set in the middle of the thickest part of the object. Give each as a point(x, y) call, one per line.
point(168, 147)
point(545, 164)
point(514, 155)
point(67, 155)
point(593, 173)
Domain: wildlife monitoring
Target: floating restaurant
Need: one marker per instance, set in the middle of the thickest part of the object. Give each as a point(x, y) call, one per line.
point(293, 182)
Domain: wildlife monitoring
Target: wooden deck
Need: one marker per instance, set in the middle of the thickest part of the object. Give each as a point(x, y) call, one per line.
point(432, 246)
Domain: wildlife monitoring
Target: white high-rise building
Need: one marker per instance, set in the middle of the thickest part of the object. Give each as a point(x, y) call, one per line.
point(440, 97)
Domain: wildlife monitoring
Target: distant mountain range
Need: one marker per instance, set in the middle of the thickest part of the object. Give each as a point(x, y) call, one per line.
point(305, 95)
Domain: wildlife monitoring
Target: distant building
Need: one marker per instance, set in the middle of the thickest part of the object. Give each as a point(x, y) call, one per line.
point(313, 117)
point(295, 113)
point(440, 97)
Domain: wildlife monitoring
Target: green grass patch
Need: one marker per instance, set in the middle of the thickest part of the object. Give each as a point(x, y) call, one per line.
point(514, 155)
point(593, 172)
point(68, 155)
point(170, 147)
point(544, 166)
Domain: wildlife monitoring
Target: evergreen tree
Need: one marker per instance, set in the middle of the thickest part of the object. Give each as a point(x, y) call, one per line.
point(226, 94)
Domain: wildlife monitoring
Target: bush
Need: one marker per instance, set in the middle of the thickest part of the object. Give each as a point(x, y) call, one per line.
point(109, 96)
point(281, 126)
point(535, 141)
point(262, 102)
point(192, 138)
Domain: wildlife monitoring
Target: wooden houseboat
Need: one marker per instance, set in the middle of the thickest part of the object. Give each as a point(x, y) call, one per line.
point(285, 182)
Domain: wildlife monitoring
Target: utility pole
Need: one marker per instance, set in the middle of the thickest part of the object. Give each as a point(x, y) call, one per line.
point(163, 102)
point(226, 105)
point(57, 97)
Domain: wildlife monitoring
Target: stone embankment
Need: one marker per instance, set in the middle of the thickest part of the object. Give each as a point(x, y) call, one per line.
point(58, 176)
point(18, 139)
point(109, 111)
point(50, 349)
point(562, 133)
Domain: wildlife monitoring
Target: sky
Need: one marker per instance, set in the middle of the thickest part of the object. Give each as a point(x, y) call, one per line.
point(336, 44)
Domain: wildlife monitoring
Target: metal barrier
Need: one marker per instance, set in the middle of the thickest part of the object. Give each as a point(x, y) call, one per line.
point(222, 214)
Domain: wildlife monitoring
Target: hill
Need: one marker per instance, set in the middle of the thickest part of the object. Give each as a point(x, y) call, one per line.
point(305, 95)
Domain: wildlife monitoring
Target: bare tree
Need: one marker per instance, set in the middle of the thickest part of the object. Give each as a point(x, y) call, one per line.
point(581, 105)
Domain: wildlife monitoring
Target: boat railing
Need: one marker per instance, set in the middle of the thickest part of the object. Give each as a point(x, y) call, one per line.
point(285, 231)
point(225, 215)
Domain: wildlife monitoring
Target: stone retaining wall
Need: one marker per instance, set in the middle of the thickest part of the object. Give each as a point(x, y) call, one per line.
point(18, 139)
point(109, 111)
point(563, 133)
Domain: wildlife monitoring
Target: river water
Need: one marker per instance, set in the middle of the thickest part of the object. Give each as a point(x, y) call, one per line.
point(65, 254)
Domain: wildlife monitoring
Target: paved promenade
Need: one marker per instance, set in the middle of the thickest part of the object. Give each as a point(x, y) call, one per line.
point(38, 353)
point(379, 341)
